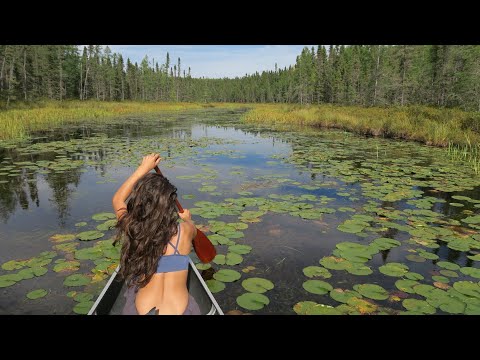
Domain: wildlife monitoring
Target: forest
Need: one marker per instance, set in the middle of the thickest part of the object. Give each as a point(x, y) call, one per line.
point(361, 75)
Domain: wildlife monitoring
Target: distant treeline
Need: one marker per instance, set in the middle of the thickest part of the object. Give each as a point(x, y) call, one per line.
point(365, 75)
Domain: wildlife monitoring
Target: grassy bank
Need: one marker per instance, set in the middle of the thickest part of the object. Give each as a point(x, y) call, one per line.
point(19, 122)
point(431, 126)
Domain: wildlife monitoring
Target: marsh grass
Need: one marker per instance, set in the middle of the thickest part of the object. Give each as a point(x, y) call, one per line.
point(469, 153)
point(454, 129)
point(431, 126)
point(19, 122)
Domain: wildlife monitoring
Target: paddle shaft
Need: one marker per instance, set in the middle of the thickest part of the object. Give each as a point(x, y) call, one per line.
point(180, 208)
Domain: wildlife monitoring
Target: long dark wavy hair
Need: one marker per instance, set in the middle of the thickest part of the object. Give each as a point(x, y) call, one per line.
point(147, 226)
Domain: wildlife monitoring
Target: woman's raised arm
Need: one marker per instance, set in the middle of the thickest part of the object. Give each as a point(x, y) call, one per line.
point(123, 192)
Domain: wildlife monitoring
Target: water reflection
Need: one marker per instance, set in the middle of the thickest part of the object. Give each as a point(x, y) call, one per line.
point(62, 192)
point(17, 193)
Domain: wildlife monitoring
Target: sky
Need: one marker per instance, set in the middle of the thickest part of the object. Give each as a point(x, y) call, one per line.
point(216, 61)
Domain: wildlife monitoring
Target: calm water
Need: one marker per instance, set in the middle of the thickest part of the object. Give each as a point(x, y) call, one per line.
point(64, 177)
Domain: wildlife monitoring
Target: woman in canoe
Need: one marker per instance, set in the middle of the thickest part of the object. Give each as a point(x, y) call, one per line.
point(154, 257)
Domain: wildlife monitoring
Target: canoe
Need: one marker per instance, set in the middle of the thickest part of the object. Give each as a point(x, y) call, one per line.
point(111, 299)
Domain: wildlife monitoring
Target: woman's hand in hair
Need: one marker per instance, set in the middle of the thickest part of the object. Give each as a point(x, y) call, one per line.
point(149, 162)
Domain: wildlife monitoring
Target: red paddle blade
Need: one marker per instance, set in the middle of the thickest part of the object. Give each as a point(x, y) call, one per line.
point(203, 247)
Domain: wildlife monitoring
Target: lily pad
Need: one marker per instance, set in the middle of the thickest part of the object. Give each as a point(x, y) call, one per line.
point(441, 279)
point(351, 228)
point(472, 219)
point(440, 285)
point(112, 252)
point(104, 216)
point(471, 271)
point(39, 271)
point(239, 226)
point(317, 287)
point(347, 310)
point(219, 239)
point(76, 280)
point(393, 269)
point(302, 307)
point(227, 275)
point(314, 271)
point(467, 288)
point(448, 273)
point(219, 259)
point(81, 223)
point(416, 258)
point(215, 286)
point(359, 269)
point(90, 235)
point(248, 269)
point(335, 263)
point(321, 309)
point(386, 243)
point(453, 306)
point(423, 289)
point(362, 306)
point(5, 281)
point(83, 308)
point(62, 237)
point(83, 297)
point(37, 294)
point(107, 225)
point(232, 234)
point(91, 253)
point(257, 285)
point(448, 265)
point(252, 301)
point(68, 247)
point(343, 296)
point(474, 257)
point(418, 306)
point(406, 285)
point(38, 262)
point(26, 274)
point(428, 255)
point(13, 265)
point(472, 309)
point(233, 259)
point(414, 276)
point(201, 266)
point(372, 291)
point(240, 249)
point(67, 266)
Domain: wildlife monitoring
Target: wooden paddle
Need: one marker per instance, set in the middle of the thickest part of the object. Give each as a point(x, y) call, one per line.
point(202, 245)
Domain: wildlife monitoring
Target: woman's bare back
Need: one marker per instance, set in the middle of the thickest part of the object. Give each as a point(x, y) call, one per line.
point(167, 292)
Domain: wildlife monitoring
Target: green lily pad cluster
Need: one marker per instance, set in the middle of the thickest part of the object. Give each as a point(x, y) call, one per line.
point(33, 267)
point(254, 299)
